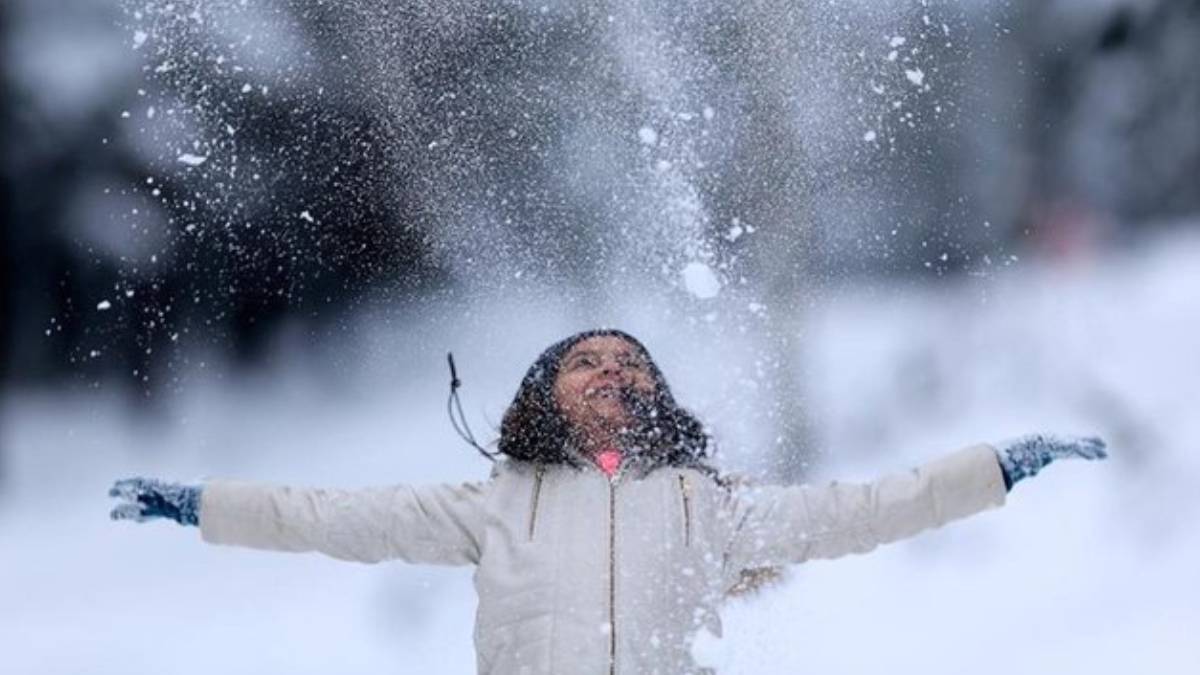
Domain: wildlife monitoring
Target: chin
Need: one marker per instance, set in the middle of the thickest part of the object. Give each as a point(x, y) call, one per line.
point(609, 421)
point(613, 422)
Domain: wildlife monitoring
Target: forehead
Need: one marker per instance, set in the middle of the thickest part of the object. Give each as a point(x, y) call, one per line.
point(603, 344)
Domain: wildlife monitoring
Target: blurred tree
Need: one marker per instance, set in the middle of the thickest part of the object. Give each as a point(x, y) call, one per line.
point(8, 238)
point(1102, 111)
point(120, 253)
point(8, 214)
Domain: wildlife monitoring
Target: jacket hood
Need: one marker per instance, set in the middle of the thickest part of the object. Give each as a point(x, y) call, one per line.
point(534, 430)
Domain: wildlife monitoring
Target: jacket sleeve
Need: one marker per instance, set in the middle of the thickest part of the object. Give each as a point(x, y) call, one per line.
point(776, 525)
point(438, 524)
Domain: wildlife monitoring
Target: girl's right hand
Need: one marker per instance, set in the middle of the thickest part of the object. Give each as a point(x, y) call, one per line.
point(145, 499)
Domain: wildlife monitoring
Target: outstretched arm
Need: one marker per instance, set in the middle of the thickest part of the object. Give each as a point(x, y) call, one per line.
point(438, 524)
point(775, 524)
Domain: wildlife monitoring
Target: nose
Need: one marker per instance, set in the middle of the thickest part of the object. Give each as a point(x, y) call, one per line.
point(612, 366)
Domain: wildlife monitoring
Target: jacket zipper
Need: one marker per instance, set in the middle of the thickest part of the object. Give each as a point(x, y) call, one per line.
point(612, 577)
point(537, 492)
point(685, 493)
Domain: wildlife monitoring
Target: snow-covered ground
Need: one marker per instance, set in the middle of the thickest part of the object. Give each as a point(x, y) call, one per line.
point(1089, 568)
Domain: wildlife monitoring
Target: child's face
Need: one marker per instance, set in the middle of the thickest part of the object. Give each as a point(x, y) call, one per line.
point(593, 380)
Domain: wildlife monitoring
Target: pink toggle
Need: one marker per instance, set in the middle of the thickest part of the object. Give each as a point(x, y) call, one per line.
point(608, 461)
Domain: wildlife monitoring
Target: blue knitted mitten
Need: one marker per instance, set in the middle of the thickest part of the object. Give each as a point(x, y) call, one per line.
point(1024, 456)
point(146, 498)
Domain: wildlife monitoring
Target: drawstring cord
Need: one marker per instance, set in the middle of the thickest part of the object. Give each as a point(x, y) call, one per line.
point(453, 405)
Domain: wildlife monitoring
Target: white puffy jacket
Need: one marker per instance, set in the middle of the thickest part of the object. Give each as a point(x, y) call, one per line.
point(577, 573)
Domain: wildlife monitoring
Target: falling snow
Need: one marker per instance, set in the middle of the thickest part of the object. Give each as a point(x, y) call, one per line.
point(700, 280)
point(191, 160)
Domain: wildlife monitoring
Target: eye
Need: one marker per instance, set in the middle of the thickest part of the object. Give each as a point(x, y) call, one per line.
point(584, 361)
point(632, 362)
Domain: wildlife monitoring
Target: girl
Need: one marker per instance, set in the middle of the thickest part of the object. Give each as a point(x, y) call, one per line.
point(603, 540)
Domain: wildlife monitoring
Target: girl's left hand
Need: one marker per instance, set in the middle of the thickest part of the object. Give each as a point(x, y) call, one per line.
point(1024, 456)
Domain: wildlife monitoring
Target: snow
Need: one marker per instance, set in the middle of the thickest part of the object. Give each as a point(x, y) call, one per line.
point(648, 136)
point(916, 76)
point(700, 280)
point(103, 305)
point(191, 160)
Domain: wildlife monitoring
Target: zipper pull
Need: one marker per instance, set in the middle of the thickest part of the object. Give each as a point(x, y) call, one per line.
point(685, 491)
point(538, 473)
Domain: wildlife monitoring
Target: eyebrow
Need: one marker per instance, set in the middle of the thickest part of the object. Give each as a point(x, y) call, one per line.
point(593, 352)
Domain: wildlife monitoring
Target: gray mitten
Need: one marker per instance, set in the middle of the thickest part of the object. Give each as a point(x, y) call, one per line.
point(1024, 456)
point(146, 498)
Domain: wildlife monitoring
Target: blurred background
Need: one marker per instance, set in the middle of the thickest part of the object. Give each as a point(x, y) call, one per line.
point(239, 238)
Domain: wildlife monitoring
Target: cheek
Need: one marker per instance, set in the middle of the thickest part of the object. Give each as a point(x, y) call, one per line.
point(644, 382)
point(567, 393)
point(560, 398)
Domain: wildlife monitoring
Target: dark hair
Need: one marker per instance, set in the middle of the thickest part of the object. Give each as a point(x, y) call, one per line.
point(533, 428)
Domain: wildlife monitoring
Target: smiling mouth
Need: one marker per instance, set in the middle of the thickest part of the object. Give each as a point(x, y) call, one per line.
point(606, 391)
